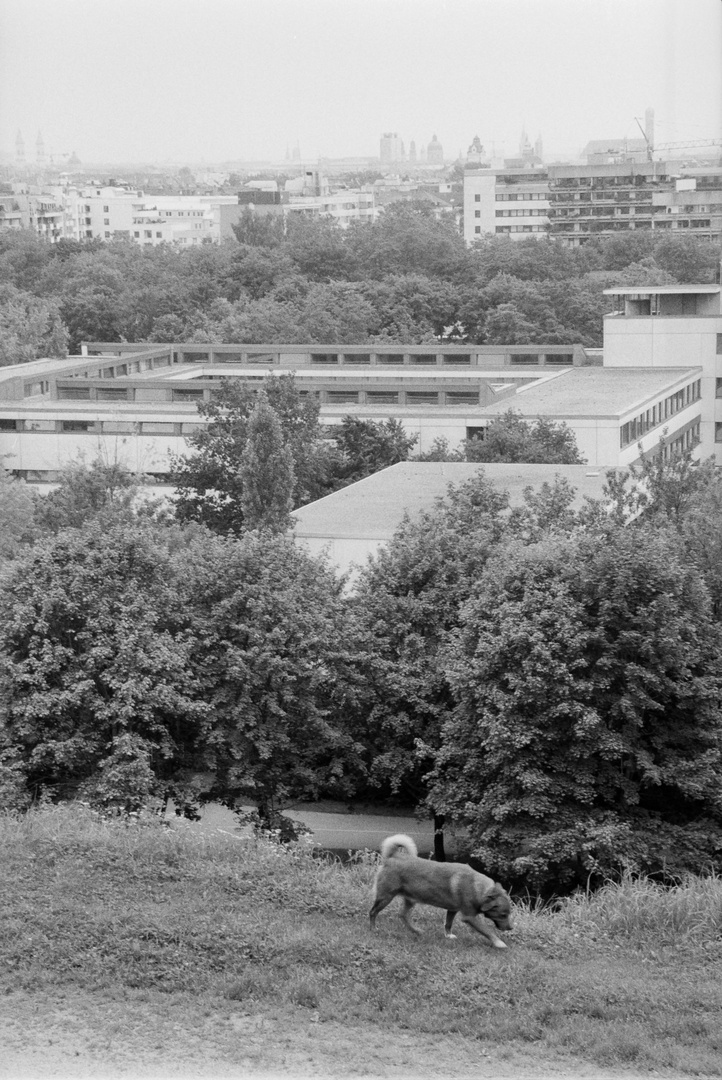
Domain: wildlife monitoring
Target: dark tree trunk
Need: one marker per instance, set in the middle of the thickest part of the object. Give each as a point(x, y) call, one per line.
point(439, 853)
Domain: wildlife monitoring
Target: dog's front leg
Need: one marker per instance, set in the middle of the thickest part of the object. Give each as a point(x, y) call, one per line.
point(450, 916)
point(491, 936)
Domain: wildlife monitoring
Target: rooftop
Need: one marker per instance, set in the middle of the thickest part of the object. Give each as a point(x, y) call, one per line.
point(595, 391)
point(673, 290)
point(373, 508)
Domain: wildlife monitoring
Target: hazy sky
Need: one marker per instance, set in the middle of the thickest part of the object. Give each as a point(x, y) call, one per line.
point(216, 80)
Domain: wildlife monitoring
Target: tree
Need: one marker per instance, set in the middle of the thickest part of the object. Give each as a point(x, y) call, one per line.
point(266, 472)
point(96, 677)
point(259, 229)
point(86, 491)
point(366, 446)
point(408, 239)
point(30, 328)
point(511, 438)
point(409, 597)
point(278, 661)
point(588, 731)
point(210, 480)
point(17, 516)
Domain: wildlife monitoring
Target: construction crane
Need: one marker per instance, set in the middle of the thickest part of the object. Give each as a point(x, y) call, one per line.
point(674, 145)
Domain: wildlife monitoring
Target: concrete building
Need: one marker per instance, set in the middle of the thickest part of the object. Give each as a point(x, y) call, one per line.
point(352, 524)
point(511, 202)
point(576, 202)
point(113, 213)
point(660, 378)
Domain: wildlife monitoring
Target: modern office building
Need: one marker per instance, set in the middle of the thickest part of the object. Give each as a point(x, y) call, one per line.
point(661, 376)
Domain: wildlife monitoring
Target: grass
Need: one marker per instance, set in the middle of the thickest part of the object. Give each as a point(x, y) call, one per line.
point(209, 927)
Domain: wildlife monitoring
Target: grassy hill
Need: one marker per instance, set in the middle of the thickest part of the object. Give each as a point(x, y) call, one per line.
point(139, 950)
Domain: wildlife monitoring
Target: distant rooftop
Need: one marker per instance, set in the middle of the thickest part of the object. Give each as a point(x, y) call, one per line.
point(373, 508)
point(647, 290)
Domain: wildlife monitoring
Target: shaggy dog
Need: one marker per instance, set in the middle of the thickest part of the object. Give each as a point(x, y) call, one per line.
point(454, 886)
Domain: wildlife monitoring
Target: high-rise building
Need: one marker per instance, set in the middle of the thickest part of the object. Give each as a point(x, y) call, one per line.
point(391, 148)
point(40, 150)
point(412, 152)
point(19, 149)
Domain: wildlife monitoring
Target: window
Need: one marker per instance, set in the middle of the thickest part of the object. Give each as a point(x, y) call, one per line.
point(106, 209)
point(342, 397)
point(136, 235)
point(150, 427)
point(422, 397)
point(119, 427)
point(719, 344)
point(477, 198)
point(159, 235)
point(477, 228)
point(148, 233)
point(477, 213)
point(106, 221)
point(462, 397)
point(7, 425)
point(187, 395)
point(382, 397)
point(78, 426)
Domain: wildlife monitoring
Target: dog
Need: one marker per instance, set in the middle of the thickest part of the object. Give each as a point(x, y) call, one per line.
point(454, 886)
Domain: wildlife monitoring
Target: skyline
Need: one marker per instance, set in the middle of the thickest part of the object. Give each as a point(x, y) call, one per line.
point(233, 80)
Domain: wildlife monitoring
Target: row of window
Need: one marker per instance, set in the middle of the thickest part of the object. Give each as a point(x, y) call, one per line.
point(535, 196)
point(98, 427)
point(634, 430)
point(521, 213)
point(686, 441)
point(521, 228)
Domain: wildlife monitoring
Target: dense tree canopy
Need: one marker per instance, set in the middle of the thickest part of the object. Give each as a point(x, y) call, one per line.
point(588, 725)
point(406, 277)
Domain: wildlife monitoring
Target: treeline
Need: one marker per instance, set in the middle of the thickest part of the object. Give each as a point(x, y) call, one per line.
point(406, 278)
point(549, 679)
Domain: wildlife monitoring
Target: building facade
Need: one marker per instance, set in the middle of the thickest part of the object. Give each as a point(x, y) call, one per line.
point(660, 381)
point(577, 202)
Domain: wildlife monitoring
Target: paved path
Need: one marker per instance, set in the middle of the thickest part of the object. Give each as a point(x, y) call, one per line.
point(334, 831)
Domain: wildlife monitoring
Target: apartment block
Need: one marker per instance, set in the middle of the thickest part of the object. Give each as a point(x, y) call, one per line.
point(576, 202)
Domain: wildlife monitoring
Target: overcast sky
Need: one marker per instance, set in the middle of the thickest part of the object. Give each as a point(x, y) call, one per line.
point(219, 80)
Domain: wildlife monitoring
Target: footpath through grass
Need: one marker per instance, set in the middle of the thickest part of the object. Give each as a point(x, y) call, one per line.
point(259, 957)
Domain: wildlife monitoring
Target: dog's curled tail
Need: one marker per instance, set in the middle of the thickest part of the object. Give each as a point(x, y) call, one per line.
point(391, 845)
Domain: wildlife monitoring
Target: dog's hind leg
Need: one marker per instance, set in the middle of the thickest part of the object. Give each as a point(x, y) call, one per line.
point(378, 906)
point(404, 916)
point(450, 915)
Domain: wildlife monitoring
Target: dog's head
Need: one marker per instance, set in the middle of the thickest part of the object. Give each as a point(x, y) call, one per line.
point(497, 907)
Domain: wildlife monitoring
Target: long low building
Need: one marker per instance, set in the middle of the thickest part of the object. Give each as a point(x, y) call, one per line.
point(659, 376)
point(350, 525)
